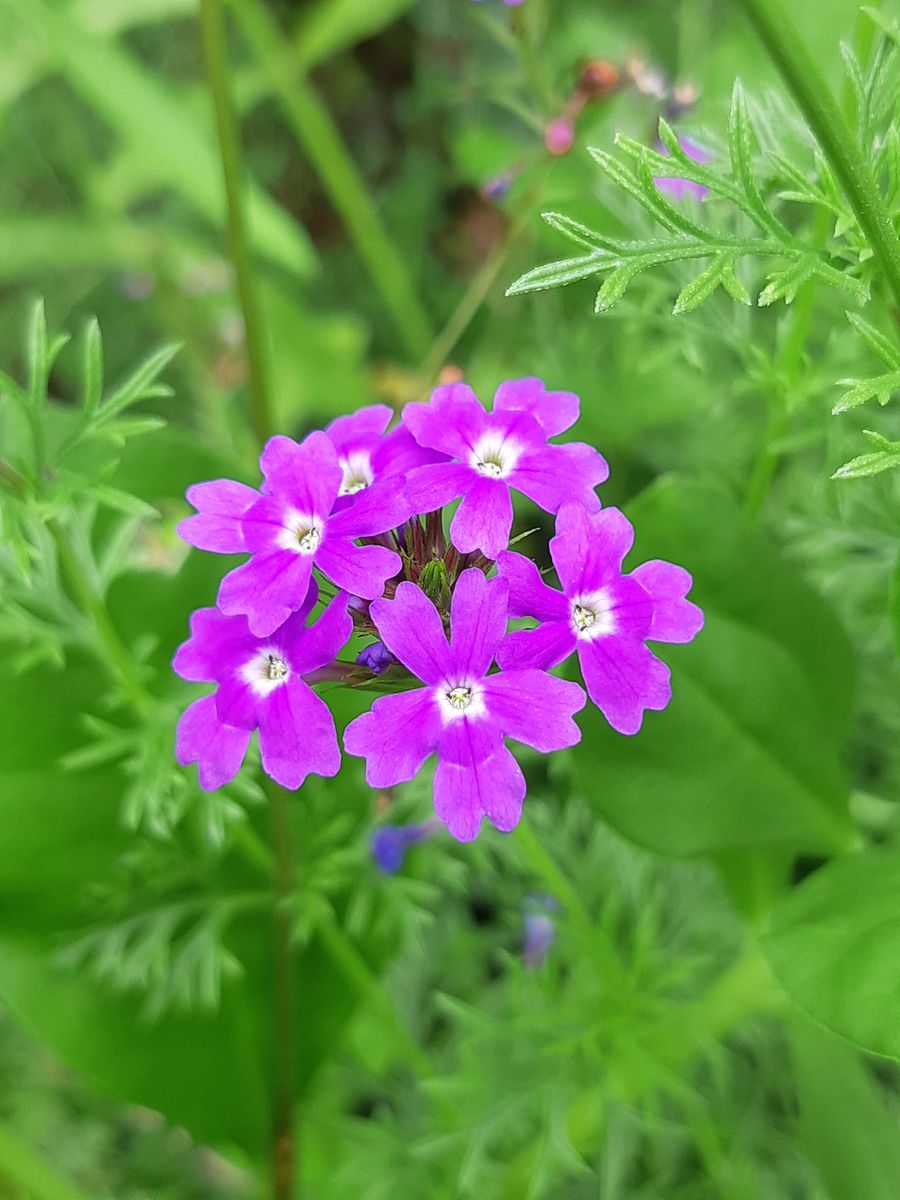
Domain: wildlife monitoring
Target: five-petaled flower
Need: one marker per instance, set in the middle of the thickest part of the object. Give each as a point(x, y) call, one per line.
point(292, 526)
point(261, 684)
point(496, 452)
point(601, 613)
point(462, 713)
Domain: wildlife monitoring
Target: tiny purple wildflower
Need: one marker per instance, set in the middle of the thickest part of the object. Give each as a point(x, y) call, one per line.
point(559, 136)
point(601, 613)
point(368, 456)
point(540, 930)
point(390, 843)
point(462, 712)
point(261, 684)
point(676, 187)
point(292, 525)
point(376, 658)
point(496, 452)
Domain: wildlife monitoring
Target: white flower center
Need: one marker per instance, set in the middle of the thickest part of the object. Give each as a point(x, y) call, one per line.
point(495, 457)
point(592, 616)
point(265, 671)
point(300, 532)
point(459, 698)
point(358, 473)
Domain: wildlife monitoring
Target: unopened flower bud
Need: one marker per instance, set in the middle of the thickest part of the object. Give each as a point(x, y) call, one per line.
point(559, 136)
point(435, 583)
point(376, 658)
point(599, 79)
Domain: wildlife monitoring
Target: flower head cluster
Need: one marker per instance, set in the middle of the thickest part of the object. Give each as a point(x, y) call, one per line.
point(356, 512)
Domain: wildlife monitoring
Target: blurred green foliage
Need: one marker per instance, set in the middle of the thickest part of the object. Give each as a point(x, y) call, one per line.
point(674, 1045)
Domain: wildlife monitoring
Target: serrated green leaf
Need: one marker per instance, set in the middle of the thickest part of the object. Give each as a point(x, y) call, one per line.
point(883, 347)
point(720, 272)
point(141, 385)
point(868, 464)
point(555, 274)
point(740, 144)
point(92, 388)
point(880, 387)
point(121, 501)
point(581, 234)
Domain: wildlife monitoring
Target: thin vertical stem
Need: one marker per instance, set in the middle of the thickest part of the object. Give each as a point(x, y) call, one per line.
point(322, 142)
point(215, 51)
point(801, 73)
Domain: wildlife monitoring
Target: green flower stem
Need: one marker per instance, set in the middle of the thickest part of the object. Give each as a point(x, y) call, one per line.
point(801, 73)
point(322, 142)
point(216, 55)
point(21, 1168)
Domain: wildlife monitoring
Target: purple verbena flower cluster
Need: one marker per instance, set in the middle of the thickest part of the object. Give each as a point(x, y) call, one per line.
point(356, 512)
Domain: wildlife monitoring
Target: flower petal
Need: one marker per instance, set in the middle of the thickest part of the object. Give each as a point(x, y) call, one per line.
point(395, 737)
point(312, 646)
point(361, 426)
point(467, 741)
point(431, 487)
point(297, 735)
point(543, 647)
point(623, 679)
point(306, 473)
point(529, 596)
point(217, 644)
point(382, 506)
point(218, 749)
point(675, 619)
point(484, 519)
point(495, 789)
point(398, 453)
point(217, 526)
point(451, 421)
point(411, 628)
point(554, 475)
point(477, 623)
point(554, 411)
point(266, 590)
point(360, 570)
point(589, 548)
point(535, 708)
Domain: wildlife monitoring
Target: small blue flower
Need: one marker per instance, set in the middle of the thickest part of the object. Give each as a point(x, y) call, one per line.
point(376, 658)
point(390, 843)
point(540, 930)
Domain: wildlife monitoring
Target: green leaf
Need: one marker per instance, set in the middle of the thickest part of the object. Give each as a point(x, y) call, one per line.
point(843, 1123)
point(740, 144)
point(121, 501)
point(888, 351)
point(834, 942)
point(556, 274)
point(93, 368)
point(719, 273)
point(876, 387)
point(747, 753)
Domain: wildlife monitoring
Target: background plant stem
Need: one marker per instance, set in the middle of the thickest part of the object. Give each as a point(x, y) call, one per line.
point(807, 85)
point(215, 52)
point(284, 1121)
point(322, 142)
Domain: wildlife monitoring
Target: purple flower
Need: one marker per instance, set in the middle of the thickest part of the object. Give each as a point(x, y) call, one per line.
point(376, 658)
point(494, 453)
point(604, 615)
point(261, 685)
point(540, 934)
point(367, 456)
point(675, 186)
point(462, 712)
point(291, 526)
point(390, 843)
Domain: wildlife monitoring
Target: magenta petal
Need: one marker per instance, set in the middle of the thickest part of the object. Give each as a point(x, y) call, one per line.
point(484, 519)
point(623, 679)
point(236, 702)
point(589, 548)
point(628, 606)
point(411, 628)
point(218, 749)
point(267, 589)
point(477, 622)
point(535, 708)
point(529, 596)
point(217, 644)
point(360, 426)
point(297, 735)
point(395, 737)
point(467, 741)
point(307, 474)
point(451, 421)
point(543, 647)
point(309, 647)
point(431, 487)
point(398, 453)
point(360, 570)
point(382, 506)
point(217, 526)
point(674, 618)
point(554, 475)
point(555, 412)
point(463, 795)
